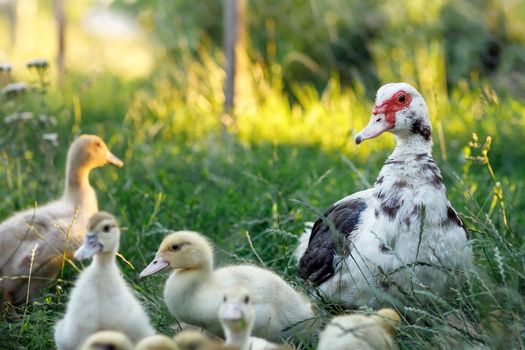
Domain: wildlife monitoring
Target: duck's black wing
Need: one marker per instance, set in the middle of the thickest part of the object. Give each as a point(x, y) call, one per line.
point(327, 239)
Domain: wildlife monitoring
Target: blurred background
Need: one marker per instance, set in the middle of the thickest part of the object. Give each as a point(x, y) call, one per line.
point(253, 58)
point(360, 42)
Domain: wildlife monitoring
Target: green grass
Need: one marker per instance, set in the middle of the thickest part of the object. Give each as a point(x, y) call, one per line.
point(263, 183)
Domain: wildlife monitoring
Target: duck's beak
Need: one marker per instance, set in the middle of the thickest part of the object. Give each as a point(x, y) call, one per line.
point(377, 125)
point(231, 312)
point(89, 247)
point(158, 264)
point(112, 159)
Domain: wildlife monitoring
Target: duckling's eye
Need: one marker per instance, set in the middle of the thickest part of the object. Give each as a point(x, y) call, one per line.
point(175, 247)
point(98, 144)
point(106, 228)
point(224, 298)
point(402, 99)
point(246, 299)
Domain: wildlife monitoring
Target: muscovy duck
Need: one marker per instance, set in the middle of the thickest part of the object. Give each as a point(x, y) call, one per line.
point(400, 234)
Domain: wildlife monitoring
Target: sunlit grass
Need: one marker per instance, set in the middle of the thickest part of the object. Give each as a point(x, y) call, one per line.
point(185, 169)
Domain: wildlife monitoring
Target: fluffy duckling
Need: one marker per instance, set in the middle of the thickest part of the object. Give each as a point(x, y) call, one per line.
point(237, 316)
point(101, 299)
point(192, 340)
point(157, 342)
point(194, 291)
point(361, 332)
point(196, 340)
point(52, 229)
point(104, 340)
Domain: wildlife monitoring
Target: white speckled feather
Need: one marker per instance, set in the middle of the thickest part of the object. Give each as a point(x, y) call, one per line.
point(408, 218)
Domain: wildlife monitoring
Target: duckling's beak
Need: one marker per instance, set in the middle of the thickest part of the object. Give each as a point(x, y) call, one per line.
point(231, 312)
point(158, 264)
point(112, 159)
point(89, 247)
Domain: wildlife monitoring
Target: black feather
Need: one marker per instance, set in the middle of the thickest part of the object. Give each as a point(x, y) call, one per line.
point(317, 263)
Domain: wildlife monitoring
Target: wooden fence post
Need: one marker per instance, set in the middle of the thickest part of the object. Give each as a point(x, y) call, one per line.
point(60, 18)
point(233, 38)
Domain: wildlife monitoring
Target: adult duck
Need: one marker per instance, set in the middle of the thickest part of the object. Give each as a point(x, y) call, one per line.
point(35, 241)
point(401, 233)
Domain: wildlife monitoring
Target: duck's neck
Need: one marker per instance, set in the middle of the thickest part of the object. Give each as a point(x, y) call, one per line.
point(410, 165)
point(105, 259)
point(238, 340)
point(193, 277)
point(408, 182)
point(410, 144)
point(77, 187)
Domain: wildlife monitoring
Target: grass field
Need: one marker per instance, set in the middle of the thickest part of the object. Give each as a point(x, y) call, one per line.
point(252, 186)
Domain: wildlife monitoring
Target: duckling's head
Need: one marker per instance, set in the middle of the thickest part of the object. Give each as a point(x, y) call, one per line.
point(184, 250)
point(107, 340)
point(389, 320)
point(103, 236)
point(236, 312)
point(192, 340)
point(89, 151)
point(157, 342)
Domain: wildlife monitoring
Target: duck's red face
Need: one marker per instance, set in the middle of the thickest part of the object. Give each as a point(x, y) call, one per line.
point(400, 100)
point(384, 115)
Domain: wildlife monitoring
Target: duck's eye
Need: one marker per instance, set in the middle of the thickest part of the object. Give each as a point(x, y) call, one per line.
point(224, 298)
point(246, 299)
point(175, 247)
point(402, 99)
point(106, 228)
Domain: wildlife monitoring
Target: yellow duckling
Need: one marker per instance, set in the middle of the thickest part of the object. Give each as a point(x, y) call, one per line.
point(360, 331)
point(194, 291)
point(157, 342)
point(237, 316)
point(107, 340)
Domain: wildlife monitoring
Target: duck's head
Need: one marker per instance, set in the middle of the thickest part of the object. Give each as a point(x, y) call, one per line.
point(157, 342)
point(185, 250)
point(103, 236)
point(192, 340)
point(400, 109)
point(89, 151)
point(236, 311)
point(389, 320)
point(105, 340)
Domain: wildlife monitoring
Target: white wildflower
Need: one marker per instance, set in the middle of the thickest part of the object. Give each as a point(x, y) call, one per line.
point(47, 119)
point(24, 116)
point(14, 88)
point(5, 67)
point(51, 137)
point(38, 64)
